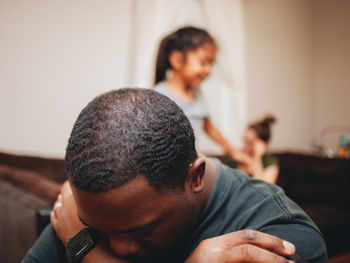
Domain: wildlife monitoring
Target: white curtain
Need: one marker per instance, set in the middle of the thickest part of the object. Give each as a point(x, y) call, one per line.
point(224, 19)
point(225, 89)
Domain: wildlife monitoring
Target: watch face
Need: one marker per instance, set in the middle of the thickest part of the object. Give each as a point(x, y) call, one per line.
point(80, 243)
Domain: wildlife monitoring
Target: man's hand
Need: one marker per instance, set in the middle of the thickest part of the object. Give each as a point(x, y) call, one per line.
point(64, 217)
point(65, 221)
point(242, 246)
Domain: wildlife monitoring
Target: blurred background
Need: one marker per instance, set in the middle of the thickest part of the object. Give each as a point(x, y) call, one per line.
point(290, 58)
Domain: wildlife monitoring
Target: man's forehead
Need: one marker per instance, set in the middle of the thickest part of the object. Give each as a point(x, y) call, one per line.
point(129, 193)
point(130, 206)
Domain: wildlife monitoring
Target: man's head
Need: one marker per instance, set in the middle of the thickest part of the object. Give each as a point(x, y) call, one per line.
point(127, 132)
point(135, 174)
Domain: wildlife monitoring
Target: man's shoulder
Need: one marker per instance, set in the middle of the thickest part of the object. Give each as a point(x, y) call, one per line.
point(238, 201)
point(243, 202)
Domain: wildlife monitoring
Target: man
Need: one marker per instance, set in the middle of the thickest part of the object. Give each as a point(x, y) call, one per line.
point(144, 195)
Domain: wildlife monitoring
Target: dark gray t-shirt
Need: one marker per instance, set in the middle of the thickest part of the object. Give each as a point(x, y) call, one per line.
point(239, 202)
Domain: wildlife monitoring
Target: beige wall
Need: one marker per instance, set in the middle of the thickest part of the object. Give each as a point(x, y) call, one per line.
point(55, 56)
point(332, 70)
point(279, 68)
point(298, 67)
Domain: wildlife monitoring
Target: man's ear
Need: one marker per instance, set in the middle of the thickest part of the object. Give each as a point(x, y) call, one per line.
point(195, 176)
point(176, 60)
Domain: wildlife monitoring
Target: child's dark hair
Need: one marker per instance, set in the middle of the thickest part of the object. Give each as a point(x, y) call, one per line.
point(183, 40)
point(263, 127)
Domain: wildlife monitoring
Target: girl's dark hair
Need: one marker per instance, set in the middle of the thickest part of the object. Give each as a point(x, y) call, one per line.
point(183, 40)
point(263, 127)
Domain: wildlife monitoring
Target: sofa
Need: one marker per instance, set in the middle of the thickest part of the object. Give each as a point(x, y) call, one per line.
point(29, 185)
point(321, 186)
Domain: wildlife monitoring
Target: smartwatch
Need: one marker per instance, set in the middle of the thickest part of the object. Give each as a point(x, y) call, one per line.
point(79, 245)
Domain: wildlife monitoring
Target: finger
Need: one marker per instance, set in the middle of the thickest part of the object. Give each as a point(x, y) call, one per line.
point(57, 205)
point(53, 219)
point(66, 189)
point(262, 240)
point(59, 199)
point(64, 185)
point(250, 253)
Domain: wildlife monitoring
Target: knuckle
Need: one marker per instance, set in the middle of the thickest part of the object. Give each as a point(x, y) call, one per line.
point(204, 243)
point(247, 252)
point(276, 242)
point(249, 235)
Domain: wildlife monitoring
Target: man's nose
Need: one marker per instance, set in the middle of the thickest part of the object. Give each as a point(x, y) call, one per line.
point(123, 247)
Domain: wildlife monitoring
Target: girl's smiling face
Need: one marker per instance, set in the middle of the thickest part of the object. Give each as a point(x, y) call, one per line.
point(197, 65)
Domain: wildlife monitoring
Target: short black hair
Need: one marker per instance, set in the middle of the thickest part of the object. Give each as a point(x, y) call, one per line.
point(127, 132)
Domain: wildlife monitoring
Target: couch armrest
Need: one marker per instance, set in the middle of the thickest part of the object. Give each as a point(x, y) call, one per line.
point(18, 221)
point(31, 182)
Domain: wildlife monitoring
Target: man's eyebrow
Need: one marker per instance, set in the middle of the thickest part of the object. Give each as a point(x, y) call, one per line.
point(150, 224)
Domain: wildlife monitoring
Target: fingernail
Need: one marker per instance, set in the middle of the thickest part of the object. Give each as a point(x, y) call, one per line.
point(288, 246)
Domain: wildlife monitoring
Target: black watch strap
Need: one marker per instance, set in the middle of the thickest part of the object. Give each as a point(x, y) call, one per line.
point(79, 245)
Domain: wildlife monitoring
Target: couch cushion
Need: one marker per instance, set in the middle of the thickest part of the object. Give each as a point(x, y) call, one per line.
point(31, 182)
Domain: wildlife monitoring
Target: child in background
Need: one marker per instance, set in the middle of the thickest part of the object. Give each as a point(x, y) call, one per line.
point(255, 143)
point(184, 60)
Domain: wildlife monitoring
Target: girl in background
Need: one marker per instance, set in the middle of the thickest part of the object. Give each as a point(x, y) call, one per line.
point(255, 143)
point(184, 60)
